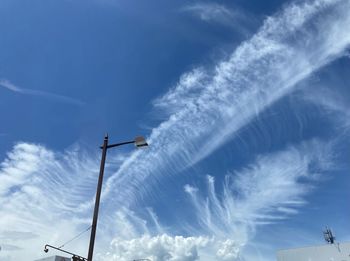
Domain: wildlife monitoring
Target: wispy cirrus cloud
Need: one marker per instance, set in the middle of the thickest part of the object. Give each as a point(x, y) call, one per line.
point(271, 188)
point(42, 196)
point(204, 110)
point(347, 54)
point(210, 12)
point(335, 105)
point(207, 108)
point(217, 13)
point(55, 187)
point(14, 88)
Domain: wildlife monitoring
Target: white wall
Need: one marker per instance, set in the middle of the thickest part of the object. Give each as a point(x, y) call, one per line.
point(55, 258)
point(335, 252)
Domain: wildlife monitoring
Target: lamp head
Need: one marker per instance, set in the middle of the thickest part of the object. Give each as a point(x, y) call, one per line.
point(140, 142)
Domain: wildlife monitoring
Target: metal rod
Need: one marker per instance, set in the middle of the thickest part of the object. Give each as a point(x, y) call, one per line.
point(59, 249)
point(97, 201)
point(119, 144)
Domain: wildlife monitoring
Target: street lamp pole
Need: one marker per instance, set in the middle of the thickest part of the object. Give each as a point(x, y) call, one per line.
point(139, 142)
point(97, 200)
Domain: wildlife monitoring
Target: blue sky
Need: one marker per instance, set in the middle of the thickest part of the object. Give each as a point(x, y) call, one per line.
point(244, 104)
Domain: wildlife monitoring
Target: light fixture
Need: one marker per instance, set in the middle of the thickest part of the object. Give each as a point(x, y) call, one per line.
point(140, 142)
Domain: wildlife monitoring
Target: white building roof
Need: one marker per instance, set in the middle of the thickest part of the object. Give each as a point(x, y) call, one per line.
point(55, 258)
point(329, 252)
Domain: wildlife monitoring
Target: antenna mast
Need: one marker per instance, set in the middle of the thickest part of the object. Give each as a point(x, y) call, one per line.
point(328, 236)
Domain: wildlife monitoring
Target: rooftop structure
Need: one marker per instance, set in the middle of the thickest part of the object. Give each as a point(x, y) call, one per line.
point(55, 258)
point(334, 252)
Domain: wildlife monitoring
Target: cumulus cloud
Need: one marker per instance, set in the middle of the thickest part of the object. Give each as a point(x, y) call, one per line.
point(164, 247)
point(158, 248)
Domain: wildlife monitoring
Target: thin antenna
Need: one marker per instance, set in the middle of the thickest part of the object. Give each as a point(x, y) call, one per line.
point(328, 236)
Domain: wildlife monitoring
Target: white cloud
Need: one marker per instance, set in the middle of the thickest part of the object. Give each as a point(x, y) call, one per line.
point(10, 86)
point(164, 247)
point(210, 11)
point(46, 205)
point(21, 163)
point(335, 105)
point(42, 198)
point(6, 247)
point(158, 248)
point(270, 189)
point(273, 187)
point(347, 53)
point(50, 195)
point(236, 18)
point(207, 108)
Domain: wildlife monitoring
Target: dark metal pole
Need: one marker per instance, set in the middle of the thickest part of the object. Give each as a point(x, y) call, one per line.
point(67, 252)
point(97, 201)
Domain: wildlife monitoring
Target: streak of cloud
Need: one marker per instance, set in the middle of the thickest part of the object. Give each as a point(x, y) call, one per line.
point(270, 189)
point(208, 12)
point(348, 54)
point(207, 108)
point(335, 105)
point(14, 88)
point(9, 247)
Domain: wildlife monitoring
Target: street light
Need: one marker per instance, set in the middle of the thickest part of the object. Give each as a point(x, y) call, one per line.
point(74, 258)
point(139, 143)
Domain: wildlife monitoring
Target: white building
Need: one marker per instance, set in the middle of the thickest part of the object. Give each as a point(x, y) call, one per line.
point(55, 258)
point(329, 252)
